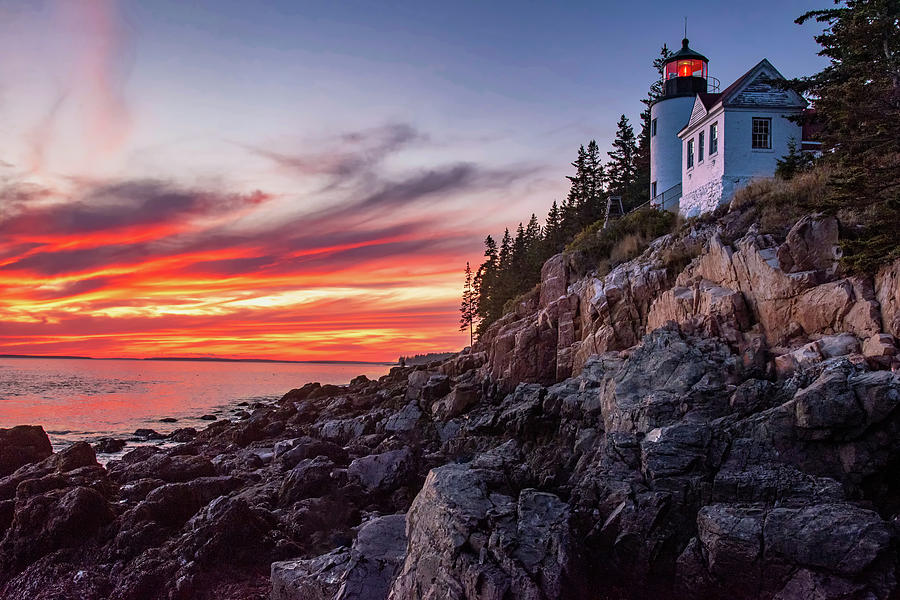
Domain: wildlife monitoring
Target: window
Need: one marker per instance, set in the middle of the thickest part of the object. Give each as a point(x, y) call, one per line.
point(700, 140)
point(713, 138)
point(690, 154)
point(762, 133)
point(653, 190)
point(652, 127)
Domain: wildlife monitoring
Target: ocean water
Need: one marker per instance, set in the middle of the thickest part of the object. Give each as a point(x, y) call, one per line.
point(83, 399)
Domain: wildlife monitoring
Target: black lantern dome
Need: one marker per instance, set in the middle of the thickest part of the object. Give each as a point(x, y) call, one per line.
point(685, 72)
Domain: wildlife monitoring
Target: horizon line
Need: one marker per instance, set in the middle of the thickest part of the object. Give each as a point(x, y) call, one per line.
point(202, 359)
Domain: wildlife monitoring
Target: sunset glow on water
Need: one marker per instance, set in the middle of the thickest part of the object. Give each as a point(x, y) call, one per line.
point(87, 399)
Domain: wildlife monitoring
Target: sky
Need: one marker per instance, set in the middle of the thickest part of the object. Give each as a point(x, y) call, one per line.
point(306, 180)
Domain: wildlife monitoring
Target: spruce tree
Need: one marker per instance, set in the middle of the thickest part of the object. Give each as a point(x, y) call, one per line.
point(857, 102)
point(553, 234)
point(469, 306)
point(595, 186)
point(488, 281)
point(622, 167)
point(857, 97)
point(519, 254)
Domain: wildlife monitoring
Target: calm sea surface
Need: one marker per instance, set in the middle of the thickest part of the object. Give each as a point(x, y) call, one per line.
point(87, 399)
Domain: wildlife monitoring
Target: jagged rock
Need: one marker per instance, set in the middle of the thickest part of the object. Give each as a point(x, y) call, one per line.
point(663, 380)
point(404, 420)
point(811, 245)
point(381, 472)
point(466, 541)
point(887, 292)
point(44, 522)
point(464, 362)
point(306, 448)
point(175, 503)
point(183, 434)
point(148, 434)
point(359, 381)
point(783, 301)
point(109, 445)
point(309, 478)
point(829, 346)
point(363, 572)
point(301, 393)
point(842, 344)
point(21, 445)
point(554, 280)
point(881, 349)
point(161, 466)
point(460, 398)
point(750, 551)
point(704, 306)
point(342, 431)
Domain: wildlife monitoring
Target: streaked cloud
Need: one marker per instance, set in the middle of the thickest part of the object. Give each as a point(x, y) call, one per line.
point(146, 267)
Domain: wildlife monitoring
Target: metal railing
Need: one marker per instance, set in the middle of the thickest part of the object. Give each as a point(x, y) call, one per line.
point(712, 84)
point(668, 200)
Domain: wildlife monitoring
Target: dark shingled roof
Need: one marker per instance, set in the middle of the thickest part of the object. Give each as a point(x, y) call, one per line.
point(739, 81)
point(685, 53)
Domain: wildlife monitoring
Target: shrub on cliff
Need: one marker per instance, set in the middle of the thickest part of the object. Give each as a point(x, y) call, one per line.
point(625, 238)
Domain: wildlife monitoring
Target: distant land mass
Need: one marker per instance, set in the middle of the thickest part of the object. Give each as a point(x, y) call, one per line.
point(208, 359)
point(424, 359)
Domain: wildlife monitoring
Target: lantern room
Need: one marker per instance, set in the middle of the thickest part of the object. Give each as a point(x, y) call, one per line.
point(686, 67)
point(685, 72)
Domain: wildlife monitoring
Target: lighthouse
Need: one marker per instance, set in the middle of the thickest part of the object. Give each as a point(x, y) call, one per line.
point(684, 76)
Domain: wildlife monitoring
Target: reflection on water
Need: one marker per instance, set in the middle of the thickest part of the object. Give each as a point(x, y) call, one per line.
point(78, 399)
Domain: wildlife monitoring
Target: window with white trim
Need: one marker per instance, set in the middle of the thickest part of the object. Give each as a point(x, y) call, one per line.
point(700, 139)
point(713, 138)
point(762, 133)
point(690, 153)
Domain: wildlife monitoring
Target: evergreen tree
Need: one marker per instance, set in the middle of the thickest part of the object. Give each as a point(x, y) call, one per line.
point(857, 98)
point(487, 281)
point(469, 307)
point(594, 187)
point(534, 251)
point(506, 284)
point(794, 162)
point(553, 232)
point(579, 181)
point(519, 252)
point(857, 102)
point(621, 167)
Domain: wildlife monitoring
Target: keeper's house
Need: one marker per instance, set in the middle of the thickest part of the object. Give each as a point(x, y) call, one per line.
point(705, 144)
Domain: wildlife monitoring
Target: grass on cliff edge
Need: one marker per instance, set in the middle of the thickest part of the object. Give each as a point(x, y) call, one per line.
point(869, 231)
point(623, 240)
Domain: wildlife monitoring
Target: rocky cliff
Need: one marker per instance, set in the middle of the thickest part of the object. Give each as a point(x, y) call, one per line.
point(717, 418)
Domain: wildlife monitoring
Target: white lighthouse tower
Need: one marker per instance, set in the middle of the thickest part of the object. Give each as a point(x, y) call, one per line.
point(684, 77)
